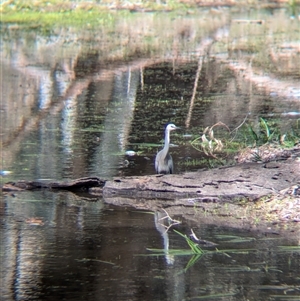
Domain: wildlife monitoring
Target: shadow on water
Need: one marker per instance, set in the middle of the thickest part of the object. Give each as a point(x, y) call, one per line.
point(67, 113)
point(63, 246)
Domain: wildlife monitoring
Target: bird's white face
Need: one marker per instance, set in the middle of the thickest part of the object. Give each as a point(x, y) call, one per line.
point(171, 127)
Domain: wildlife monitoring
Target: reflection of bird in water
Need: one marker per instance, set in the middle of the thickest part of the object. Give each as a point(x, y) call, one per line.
point(163, 160)
point(162, 227)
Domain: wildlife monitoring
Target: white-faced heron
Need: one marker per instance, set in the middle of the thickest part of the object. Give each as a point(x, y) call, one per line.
point(163, 160)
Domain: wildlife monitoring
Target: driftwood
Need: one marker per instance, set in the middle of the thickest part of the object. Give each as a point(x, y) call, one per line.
point(243, 181)
point(249, 180)
point(82, 184)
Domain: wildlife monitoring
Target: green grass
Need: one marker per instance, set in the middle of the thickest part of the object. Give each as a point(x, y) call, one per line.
point(78, 19)
point(52, 13)
point(58, 13)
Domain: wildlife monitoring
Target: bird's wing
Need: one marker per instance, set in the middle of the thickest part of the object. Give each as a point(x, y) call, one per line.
point(157, 160)
point(170, 163)
point(163, 164)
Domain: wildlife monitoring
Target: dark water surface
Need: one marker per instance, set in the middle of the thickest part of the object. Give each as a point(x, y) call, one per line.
point(68, 113)
point(59, 246)
point(88, 135)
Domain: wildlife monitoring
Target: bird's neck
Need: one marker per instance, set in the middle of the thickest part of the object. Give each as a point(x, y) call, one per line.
point(167, 141)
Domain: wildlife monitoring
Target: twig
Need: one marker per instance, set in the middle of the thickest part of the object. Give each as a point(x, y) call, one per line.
point(194, 235)
point(239, 126)
point(173, 221)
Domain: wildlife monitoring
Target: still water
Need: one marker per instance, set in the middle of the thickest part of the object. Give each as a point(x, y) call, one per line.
point(89, 134)
point(68, 113)
point(59, 246)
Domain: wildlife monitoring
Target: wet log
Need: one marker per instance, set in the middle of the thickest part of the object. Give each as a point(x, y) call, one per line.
point(226, 184)
point(81, 184)
point(244, 181)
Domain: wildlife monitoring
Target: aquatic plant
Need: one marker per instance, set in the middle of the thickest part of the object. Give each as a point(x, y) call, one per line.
point(263, 134)
point(265, 140)
point(194, 246)
point(209, 143)
point(219, 150)
point(267, 131)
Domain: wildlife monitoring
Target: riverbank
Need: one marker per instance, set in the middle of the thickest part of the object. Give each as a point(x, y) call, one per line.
point(254, 196)
point(91, 14)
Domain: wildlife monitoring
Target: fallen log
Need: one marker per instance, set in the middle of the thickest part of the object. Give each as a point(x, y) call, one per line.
point(249, 180)
point(81, 184)
point(243, 181)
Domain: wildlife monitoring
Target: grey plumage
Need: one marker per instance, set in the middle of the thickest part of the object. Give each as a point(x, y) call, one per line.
point(163, 160)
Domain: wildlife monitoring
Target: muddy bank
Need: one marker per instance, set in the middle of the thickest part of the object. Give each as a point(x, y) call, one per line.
point(255, 196)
